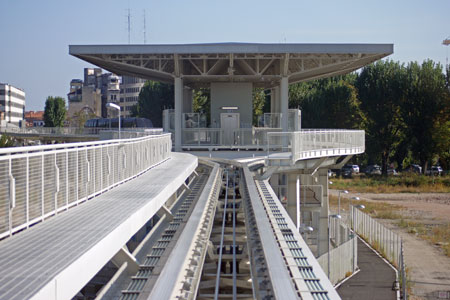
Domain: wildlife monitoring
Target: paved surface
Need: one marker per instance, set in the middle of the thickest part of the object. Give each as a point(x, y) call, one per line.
point(373, 282)
point(85, 237)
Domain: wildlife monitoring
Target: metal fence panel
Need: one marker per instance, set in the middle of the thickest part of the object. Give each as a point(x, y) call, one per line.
point(39, 181)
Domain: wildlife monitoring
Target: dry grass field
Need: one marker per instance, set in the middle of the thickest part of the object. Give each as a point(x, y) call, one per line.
point(418, 209)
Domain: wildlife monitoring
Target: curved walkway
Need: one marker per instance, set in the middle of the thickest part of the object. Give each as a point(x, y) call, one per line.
point(374, 280)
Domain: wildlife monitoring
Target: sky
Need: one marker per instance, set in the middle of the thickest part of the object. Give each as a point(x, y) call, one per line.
point(34, 35)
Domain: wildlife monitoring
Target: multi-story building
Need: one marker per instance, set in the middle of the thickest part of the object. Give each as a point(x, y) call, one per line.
point(129, 93)
point(85, 102)
point(12, 104)
point(88, 98)
point(110, 89)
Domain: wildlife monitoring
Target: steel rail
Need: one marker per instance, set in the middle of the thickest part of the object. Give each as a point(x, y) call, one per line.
point(283, 286)
point(219, 263)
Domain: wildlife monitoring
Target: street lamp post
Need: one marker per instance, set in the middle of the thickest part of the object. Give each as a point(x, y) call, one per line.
point(329, 239)
point(114, 106)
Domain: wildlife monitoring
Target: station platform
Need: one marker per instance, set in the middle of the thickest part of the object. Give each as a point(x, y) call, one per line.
point(56, 258)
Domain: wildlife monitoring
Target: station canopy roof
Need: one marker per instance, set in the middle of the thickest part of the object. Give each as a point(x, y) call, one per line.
point(201, 64)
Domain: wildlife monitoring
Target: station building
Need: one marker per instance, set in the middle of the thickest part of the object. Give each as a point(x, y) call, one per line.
point(287, 154)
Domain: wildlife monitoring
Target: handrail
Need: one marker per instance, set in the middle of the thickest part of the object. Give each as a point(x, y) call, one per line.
point(41, 181)
point(312, 143)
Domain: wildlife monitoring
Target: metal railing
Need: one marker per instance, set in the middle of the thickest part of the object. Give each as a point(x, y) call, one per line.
point(217, 137)
point(39, 181)
point(73, 130)
point(341, 261)
point(383, 240)
point(312, 143)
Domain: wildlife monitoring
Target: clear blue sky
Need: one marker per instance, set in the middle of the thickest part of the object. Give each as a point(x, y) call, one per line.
point(34, 35)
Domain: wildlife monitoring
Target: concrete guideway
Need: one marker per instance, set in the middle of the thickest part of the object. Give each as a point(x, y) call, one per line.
point(374, 280)
point(56, 258)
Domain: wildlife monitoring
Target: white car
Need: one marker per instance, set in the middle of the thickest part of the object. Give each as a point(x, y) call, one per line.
point(355, 169)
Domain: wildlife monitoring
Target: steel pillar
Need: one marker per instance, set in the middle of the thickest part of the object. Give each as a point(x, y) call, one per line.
point(284, 97)
point(178, 111)
point(322, 246)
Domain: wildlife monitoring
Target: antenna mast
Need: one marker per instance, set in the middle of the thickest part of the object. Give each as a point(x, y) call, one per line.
point(145, 34)
point(446, 42)
point(129, 24)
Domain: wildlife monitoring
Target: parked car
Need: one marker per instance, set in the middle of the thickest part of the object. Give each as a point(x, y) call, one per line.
point(347, 171)
point(373, 170)
point(414, 169)
point(353, 168)
point(435, 171)
point(331, 173)
point(392, 171)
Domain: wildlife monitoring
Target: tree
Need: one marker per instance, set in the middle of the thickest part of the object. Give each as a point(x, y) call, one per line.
point(201, 103)
point(327, 103)
point(55, 112)
point(258, 103)
point(153, 99)
point(425, 111)
point(6, 141)
point(381, 89)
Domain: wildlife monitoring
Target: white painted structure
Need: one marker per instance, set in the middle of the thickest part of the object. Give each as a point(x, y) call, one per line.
point(241, 65)
point(12, 104)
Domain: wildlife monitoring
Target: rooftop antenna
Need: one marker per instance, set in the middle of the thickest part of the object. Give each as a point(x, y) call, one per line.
point(446, 42)
point(145, 34)
point(129, 23)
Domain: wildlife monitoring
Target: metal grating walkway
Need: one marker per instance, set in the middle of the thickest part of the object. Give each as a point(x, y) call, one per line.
point(56, 258)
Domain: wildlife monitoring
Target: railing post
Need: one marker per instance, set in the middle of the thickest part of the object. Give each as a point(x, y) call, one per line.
point(12, 196)
point(76, 177)
point(42, 186)
point(101, 169)
point(55, 195)
point(67, 179)
point(27, 190)
point(88, 174)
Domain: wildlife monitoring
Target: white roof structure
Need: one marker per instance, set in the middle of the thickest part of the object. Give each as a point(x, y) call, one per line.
point(262, 64)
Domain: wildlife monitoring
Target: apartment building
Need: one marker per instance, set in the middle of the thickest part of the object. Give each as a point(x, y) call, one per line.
point(12, 104)
point(129, 93)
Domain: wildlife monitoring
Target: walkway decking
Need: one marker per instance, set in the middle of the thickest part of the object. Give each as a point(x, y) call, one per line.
point(373, 282)
point(56, 258)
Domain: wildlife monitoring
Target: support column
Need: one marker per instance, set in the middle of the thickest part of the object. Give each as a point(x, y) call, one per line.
point(322, 246)
point(273, 99)
point(277, 100)
point(178, 111)
point(284, 97)
point(187, 100)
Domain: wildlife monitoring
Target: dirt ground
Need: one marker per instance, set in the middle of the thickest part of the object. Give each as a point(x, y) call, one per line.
point(428, 265)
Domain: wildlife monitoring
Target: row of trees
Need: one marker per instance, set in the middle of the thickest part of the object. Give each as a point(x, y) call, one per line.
point(404, 110)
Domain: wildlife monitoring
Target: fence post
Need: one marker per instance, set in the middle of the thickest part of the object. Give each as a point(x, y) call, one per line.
point(27, 191)
point(42, 186)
